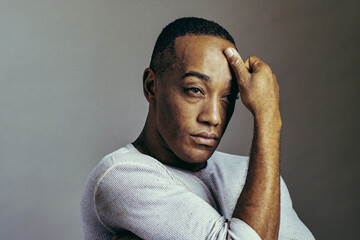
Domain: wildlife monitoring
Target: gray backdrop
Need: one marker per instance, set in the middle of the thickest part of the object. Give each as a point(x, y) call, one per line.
point(70, 93)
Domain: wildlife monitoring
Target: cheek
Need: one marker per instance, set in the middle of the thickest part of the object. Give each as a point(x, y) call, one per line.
point(176, 115)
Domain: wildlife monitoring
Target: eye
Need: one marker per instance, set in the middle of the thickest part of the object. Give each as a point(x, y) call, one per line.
point(193, 91)
point(232, 97)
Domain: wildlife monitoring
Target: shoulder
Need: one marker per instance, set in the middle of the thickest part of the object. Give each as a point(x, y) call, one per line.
point(228, 163)
point(124, 180)
point(218, 155)
point(120, 169)
point(123, 159)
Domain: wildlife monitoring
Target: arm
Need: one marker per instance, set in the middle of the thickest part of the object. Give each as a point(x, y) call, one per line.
point(259, 202)
point(140, 196)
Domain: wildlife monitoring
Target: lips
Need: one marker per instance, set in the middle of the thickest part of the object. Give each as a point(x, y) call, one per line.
point(204, 138)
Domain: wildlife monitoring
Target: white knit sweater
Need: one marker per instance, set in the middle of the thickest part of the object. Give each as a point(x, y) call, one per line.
point(130, 191)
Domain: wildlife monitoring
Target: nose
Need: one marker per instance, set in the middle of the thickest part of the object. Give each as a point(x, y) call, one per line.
point(210, 113)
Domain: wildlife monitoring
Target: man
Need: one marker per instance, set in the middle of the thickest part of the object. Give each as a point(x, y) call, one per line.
point(171, 183)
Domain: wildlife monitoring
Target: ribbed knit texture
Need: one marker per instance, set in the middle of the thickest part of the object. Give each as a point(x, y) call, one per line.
point(130, 191)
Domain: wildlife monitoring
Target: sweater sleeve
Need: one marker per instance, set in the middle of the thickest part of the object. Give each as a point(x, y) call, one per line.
point(147, 201)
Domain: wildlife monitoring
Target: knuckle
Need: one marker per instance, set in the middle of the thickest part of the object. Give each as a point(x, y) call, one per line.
point(266, 68)
point(236, 62)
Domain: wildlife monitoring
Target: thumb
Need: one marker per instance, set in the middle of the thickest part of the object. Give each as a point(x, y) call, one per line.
point(238, 65)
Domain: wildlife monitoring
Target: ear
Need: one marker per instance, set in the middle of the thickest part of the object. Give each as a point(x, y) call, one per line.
point(149, 85)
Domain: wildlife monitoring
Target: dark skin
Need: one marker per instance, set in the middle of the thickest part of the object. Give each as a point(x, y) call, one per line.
point(190, 106)
point(259, 202)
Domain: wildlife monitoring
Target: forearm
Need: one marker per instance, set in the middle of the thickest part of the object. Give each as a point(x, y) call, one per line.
point(259, 202)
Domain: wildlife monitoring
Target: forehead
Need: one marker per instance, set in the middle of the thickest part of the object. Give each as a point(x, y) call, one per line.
point(202, 53)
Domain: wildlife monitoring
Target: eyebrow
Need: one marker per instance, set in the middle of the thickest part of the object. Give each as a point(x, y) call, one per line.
point(203, 77)
point(197, 75)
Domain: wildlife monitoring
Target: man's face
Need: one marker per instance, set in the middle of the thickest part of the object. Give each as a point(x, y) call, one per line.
point(195, 98)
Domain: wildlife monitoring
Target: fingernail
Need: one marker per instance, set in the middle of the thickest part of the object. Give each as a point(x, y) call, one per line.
point(229, 52)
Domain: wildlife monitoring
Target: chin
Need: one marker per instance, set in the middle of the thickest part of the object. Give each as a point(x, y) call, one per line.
point(198, 155)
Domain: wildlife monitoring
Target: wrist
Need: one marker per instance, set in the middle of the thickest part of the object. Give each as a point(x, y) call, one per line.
point(269, 120)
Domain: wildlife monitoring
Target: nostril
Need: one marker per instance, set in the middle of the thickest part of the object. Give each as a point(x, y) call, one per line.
point(210, 118)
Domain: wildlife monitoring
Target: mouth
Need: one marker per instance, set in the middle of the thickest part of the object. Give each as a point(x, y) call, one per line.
point(206, 139)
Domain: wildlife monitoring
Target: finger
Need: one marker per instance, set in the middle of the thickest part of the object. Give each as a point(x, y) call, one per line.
point(275, 80)
point(237, 64)
point(274, 77)
point(256, 64)
point(247, 65)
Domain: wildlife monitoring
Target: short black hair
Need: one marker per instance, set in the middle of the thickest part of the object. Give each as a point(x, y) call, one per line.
point(163, 53)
